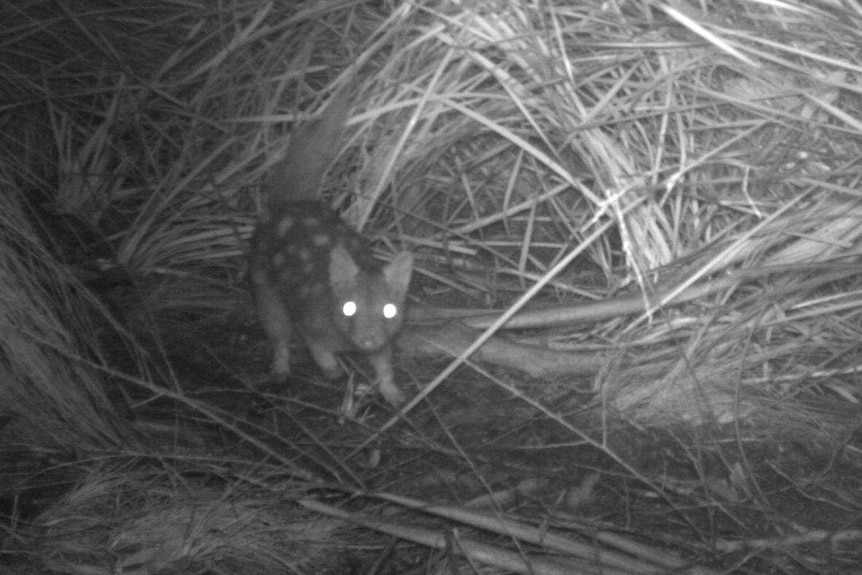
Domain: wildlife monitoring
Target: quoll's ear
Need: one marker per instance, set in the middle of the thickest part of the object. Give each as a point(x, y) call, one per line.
point(398, 271)
point(342, 269)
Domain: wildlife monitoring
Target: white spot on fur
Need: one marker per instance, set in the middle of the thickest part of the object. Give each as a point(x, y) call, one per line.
point(284, 226)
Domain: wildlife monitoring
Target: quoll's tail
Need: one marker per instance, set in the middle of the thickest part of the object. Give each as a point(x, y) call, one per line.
point(312, 149)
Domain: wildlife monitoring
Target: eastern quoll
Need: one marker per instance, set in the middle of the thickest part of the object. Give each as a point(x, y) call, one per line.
point(313, 275)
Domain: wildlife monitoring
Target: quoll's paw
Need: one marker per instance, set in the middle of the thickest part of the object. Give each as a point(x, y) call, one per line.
point(281, 363)
point(392, 394)
point(326, 360)
point(332, 372)
point(272, 383)
point(277, 378)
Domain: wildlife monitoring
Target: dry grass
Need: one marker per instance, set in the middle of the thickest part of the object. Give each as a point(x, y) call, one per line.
point(671, 191)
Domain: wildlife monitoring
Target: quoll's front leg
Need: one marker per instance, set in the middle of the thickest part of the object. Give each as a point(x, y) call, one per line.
point(382, 363)
point(325, 360)
point(276, 323)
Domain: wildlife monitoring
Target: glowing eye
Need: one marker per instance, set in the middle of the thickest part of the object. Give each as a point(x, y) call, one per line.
point(390, 311)
point(349, 308)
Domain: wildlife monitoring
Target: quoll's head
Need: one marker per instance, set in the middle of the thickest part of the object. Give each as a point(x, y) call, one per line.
point(369, 306)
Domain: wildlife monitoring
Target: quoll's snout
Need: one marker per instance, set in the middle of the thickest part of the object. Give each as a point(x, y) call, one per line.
point(370, 342)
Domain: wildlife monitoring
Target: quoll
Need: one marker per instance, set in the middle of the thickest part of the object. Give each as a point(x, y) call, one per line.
point(313, 275)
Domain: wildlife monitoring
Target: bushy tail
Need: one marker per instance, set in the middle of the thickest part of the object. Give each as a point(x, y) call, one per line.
point(312, 149)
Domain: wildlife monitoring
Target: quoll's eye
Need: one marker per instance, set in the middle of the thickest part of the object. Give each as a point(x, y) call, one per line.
point(390, 311)
point(349, 308)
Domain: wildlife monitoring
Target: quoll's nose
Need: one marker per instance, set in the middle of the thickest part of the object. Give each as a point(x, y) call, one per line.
point(370, 342)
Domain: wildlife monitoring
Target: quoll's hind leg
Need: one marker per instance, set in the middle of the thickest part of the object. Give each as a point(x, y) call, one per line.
point(382, 363)
point(276, 324)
